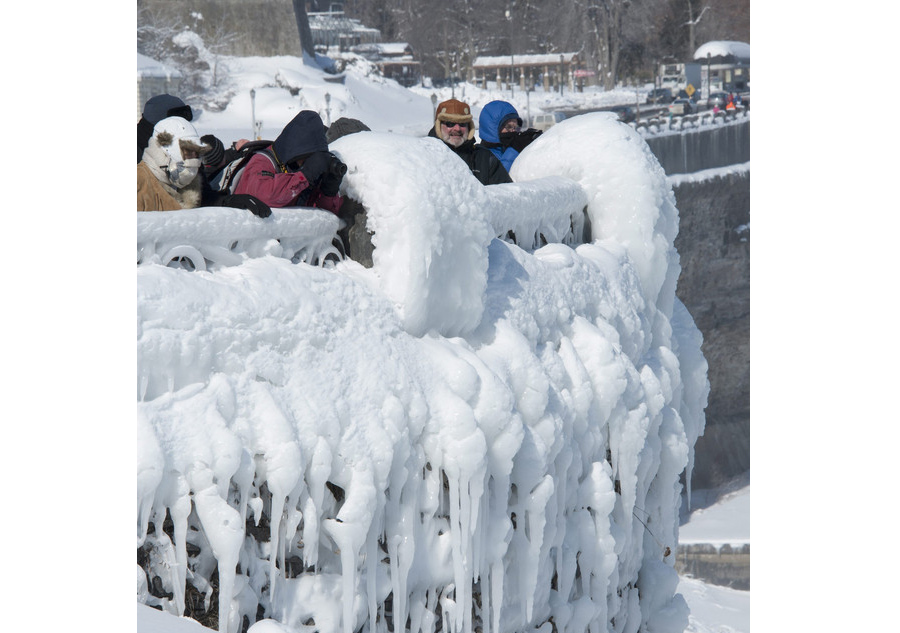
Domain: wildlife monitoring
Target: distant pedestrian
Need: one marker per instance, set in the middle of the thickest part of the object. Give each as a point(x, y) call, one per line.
point(500, 128)
point(454, 125)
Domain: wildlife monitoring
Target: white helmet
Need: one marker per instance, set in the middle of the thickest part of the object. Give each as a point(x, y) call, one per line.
point(173, 152)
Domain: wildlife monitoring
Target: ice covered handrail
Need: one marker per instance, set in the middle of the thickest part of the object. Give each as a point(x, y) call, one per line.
point(663, 123)
point(213, 237)
point(538, 212)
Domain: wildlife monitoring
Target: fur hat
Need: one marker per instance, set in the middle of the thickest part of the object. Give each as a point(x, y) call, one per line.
point(454, 111)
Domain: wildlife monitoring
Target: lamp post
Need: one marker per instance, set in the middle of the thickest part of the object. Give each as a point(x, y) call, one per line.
point(253, 110)
point(708, 77)
point(328, 108)
point(433, 104)
point(512, 61)
point(561, 74)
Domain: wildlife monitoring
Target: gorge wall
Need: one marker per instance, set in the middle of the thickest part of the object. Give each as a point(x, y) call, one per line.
point(714, 244)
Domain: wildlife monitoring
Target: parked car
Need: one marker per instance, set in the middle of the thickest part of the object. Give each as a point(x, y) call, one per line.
point(626, 113)
point(660, 95)
point(717, 99)
point(682, 106)
point(546, 121)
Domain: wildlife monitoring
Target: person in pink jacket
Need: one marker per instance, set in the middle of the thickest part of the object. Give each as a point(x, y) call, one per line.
point(297, 169)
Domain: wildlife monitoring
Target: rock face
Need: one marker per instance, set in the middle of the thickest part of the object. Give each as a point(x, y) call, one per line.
point(714, 244)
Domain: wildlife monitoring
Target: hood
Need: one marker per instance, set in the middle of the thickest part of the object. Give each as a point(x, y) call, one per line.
point(161, 106)
point(304, 135)
point(492, 118)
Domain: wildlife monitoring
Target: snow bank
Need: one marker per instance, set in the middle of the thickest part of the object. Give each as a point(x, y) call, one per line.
point(467, 433)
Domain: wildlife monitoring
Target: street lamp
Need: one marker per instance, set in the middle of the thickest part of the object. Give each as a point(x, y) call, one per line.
point(253, 109)
point(328, 107)
point(708, 77)
point(512, 60)
point(433, 104)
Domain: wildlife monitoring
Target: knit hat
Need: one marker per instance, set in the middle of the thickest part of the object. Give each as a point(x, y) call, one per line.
point(343, 127)
point(454, 111)
point(217, 150)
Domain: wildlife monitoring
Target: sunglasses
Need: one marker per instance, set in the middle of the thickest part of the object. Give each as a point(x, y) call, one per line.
point(451, 124)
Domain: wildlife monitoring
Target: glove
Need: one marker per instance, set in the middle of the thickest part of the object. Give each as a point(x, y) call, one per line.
point(331, 181)
point(214, 156)
point(524, 138)
point(245, 201)
point(315, 165)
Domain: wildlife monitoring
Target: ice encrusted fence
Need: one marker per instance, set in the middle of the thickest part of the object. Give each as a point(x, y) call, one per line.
point(469, 436)
point(529, 214)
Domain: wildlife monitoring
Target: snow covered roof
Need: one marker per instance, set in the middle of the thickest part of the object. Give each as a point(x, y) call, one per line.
point(377, 50)
point(149, 67)
point(739, 50)
point(523, 60)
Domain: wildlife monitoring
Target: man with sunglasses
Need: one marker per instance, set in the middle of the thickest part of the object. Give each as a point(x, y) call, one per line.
point(453, 124)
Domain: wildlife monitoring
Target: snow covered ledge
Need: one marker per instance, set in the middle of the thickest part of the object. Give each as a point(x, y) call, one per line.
point(467, 433)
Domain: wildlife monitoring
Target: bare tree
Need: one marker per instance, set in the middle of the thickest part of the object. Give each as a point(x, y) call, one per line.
point(691, 23)
point(605, 19)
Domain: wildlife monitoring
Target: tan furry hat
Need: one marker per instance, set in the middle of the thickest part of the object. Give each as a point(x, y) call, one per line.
point(455, 111)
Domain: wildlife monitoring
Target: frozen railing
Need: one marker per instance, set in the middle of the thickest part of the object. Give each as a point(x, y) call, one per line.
point(209, 238)
point(530, 214)
point(665, 123)
point(537, 212)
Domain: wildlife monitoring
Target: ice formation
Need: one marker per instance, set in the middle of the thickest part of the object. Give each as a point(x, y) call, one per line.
point(467, 436)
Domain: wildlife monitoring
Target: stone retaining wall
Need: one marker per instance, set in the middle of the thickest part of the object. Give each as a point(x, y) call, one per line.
point(714, 244)
point(703, 148)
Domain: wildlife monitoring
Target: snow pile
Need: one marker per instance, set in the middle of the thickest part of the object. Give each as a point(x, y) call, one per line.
point(468, 435)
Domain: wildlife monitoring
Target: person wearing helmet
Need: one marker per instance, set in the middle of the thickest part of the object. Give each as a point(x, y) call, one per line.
point(168, 176)
point(155, 110)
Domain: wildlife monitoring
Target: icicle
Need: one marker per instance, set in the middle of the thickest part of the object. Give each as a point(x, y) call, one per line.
point(225, 533)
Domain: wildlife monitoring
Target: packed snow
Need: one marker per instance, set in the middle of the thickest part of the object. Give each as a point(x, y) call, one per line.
point(385, 413)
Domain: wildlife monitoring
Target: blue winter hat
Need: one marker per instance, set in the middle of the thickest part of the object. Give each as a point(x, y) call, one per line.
point(493, 116)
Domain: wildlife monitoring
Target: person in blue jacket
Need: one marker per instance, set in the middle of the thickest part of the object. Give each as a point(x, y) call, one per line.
point(500, 129)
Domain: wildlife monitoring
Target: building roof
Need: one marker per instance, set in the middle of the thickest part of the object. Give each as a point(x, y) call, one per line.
point(547, 59)
point(149, 67)
point(724, 48)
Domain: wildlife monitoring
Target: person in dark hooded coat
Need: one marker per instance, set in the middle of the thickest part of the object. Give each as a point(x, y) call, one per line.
point(500, 128)
point(297, 169)
point(453, 124)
